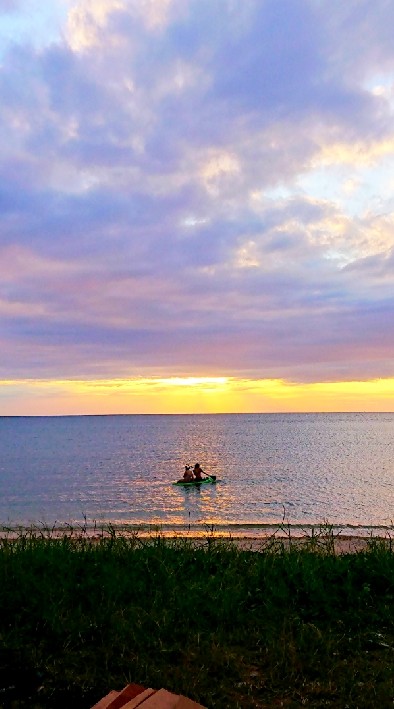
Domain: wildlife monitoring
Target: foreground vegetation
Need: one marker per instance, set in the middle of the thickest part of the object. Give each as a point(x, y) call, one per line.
point(228, 628)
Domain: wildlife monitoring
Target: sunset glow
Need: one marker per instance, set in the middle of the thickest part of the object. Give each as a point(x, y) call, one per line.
point(194, 395)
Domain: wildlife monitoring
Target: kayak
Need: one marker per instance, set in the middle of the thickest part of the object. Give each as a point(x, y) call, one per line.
point(196, 483)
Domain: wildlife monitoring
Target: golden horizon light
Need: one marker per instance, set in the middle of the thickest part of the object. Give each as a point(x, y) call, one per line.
point(192, 395)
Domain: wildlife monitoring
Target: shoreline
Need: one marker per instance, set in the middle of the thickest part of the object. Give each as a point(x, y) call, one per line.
point(323, 538)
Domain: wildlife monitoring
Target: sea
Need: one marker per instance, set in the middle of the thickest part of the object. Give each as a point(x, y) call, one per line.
point(297, 472)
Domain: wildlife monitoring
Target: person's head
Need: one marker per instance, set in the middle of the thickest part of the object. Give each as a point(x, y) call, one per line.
point(196, 466)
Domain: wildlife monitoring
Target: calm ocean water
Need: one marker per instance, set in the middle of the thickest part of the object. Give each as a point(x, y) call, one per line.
point(118, 469)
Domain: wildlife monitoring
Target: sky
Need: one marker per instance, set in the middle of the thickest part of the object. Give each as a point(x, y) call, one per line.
point(196, 206)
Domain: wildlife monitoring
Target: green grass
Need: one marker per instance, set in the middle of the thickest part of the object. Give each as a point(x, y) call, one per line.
point(227, 628)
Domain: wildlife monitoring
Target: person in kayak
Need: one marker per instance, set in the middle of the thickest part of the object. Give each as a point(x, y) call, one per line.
point(188, 474)
point(198, 472)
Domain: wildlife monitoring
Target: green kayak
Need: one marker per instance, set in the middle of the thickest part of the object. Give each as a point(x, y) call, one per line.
point(196, 483)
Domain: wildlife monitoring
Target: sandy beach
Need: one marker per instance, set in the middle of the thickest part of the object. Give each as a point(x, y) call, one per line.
point(342, 545)
point(333, 543)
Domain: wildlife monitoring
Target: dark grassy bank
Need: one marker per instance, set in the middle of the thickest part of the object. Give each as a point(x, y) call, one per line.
point(227, 628)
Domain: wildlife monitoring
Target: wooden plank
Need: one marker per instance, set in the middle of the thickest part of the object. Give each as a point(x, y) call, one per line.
point(106, 701)
point(134, 695)
point(129, 692)
point(167, 700)
point(162, 699)
point(185, 703)
point(139, 701)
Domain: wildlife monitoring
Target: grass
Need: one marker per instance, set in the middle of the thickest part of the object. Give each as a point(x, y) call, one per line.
point(290, 627)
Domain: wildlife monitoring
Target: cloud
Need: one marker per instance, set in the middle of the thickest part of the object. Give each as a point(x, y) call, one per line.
point(7, 6)
point(164, 199)
point(92, 22)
